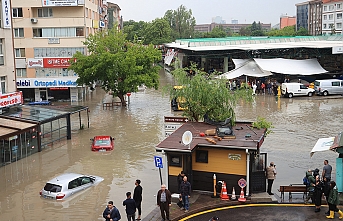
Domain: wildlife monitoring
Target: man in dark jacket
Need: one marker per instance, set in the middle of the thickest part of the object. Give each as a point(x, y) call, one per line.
point(180, 179)
point(130, 207)
point(185, 192)
point(311, 188)
point(111, 213)
point(137, 196)
point(164, 201)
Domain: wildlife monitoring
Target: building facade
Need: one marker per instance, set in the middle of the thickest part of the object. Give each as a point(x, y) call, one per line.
point(234, 27)
point(114, 17)
point(332, 17)
point(46, 35)
point(7, 77)
point(309, 16)
point(286, 21)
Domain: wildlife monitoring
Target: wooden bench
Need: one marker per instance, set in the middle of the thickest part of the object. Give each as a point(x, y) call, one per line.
point(293, 188)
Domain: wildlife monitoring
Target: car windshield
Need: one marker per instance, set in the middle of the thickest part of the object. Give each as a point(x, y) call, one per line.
point(52, 188)
point(102, 143)
point(317, 83)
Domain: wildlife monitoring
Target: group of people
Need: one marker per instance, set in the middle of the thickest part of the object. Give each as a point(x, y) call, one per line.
point(319, 186)
point(111, 213)
point(264, 88)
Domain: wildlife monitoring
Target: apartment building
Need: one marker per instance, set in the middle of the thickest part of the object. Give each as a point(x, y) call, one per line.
point(114, 17)
point(7, 76)
point(286, 21)
point(309, 16)
point(332, 17)
point(46, 35)
point(234, 27)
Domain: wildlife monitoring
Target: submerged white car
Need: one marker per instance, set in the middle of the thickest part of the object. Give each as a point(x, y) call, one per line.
point(67, 185)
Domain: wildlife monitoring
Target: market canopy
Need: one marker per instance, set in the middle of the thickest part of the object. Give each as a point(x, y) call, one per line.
point(291, 66)
point(330, 143)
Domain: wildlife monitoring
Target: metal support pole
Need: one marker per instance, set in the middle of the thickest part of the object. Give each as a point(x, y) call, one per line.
point(68, 127)
point(80, 120)
point(88, 116)
point(159, 169)
point(248, 172)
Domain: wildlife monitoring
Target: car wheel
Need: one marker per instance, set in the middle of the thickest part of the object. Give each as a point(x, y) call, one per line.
point(325, 93)
point(310, 94)
point(290, 95)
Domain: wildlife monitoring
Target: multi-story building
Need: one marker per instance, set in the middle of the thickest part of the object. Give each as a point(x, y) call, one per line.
point(286, 21)
point(218, 20)
point(332, 17)
point(114, 17)
point(234, 27)
point(46, 35)
point(309, 16)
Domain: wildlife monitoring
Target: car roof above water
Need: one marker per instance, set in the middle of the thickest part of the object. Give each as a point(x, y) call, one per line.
point(66, 177)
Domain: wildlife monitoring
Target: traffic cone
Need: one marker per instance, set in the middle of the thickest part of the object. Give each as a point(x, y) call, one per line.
point(241, 197)
point(233, 196)
point(223, 195)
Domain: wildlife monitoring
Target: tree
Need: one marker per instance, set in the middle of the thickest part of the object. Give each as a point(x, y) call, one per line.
point(181, 21)
point(217, 32)
point(203, 96)
point(134, 30)
point(119, 65)
point(157, 32)
point(245, 31)
point(302, 32)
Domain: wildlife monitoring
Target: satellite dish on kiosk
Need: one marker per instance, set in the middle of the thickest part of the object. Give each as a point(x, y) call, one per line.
point(187, 138)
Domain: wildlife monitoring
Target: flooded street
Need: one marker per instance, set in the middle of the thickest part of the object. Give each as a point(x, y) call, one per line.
point(138, 128)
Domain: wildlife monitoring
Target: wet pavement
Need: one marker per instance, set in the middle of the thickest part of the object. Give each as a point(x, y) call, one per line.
point(138, 128)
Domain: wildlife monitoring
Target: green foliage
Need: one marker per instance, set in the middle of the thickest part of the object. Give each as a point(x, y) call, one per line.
point(181, 21)
point(119, 65)
point(262, 123)
point(134, 30)
point(157, 32)
point(203, 95)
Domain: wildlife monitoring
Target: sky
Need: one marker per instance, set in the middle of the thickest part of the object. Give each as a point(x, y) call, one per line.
point(245, 11)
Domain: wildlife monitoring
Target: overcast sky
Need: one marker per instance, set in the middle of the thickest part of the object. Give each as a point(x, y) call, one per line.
point(245, 11)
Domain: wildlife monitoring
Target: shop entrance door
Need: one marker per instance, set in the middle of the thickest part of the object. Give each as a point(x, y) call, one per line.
point(258, 164)
point(43, 95)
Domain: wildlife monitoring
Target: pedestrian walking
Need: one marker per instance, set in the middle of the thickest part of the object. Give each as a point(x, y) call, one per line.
point(310, 188)
point(130, 205)
point(185, 192)
point(111, 213)
point(317, 194)
point(137, 196)
point(164, 201)
point(334, 201)
point(271, 175)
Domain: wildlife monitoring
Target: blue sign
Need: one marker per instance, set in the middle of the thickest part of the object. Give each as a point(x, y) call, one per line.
point(158, 162)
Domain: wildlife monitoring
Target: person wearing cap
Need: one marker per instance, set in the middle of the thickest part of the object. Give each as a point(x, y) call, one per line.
point(271, 174)
point(164, 201)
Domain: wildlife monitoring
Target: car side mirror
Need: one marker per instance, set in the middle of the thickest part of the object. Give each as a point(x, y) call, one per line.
point(91, 139)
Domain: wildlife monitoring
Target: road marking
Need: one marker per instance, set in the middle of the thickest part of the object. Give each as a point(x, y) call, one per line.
point(242, 206)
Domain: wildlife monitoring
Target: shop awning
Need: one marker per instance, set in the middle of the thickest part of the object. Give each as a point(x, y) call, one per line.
point(291, 66)
point(9, 127)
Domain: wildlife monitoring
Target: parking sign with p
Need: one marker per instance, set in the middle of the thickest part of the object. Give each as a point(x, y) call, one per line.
point(158, 162)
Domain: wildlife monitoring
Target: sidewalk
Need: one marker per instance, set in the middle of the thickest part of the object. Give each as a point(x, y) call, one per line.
point(200, 202)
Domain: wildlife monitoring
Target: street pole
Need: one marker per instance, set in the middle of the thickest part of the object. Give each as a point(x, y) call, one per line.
point(159, 169)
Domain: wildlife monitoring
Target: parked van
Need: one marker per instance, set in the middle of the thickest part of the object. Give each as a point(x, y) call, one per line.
point(329, 86)
point(296, 89)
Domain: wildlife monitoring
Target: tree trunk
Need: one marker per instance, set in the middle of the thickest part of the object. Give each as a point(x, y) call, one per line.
point(121, 97)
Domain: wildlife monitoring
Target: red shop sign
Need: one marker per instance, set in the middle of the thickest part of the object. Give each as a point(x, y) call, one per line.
point(56, 62)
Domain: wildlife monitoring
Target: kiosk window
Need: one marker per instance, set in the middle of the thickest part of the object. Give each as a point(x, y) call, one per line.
point(202, 156)
point(175, 160)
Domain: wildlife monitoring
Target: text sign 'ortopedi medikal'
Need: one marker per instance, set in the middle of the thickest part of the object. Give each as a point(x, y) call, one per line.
point(46, 82)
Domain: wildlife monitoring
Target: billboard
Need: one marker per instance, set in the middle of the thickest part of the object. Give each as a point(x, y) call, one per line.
point(49, 3)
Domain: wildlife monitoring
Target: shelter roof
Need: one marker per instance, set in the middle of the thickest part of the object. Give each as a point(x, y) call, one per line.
point(241, 129)
point(256, 43)
point(10, 127)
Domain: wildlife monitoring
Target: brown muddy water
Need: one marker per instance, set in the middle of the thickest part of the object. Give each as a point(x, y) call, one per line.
point(298, 122)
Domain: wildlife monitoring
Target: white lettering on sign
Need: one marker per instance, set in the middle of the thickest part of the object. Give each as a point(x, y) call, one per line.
point(6, 15)
point(59, 3)
point(33, 62)
point(11, 99)
point(46, 82)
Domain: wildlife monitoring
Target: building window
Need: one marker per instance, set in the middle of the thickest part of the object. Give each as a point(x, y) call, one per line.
point(1, 54)
point(201, 156)
point(19, 52)
point(339, 25)
point(175, 160)
point(325, 17)
point(57, 32)
point(3, 85)
point(57, 52)
point(330, 17)
point(324, 26)
point(331, 7)
point(19, 32)
point(339, 6)
point(339, 15)
point(17, 12)
point(21, 72)
point(325, 8)
point(45, 12)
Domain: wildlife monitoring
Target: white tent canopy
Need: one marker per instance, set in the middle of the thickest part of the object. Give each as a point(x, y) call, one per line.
point(290, 66)
point(323, 144)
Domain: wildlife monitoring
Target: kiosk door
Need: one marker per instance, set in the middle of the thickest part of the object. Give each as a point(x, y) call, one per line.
point(258, 164)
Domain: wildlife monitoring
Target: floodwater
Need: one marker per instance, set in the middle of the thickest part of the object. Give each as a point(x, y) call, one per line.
point(298, 122)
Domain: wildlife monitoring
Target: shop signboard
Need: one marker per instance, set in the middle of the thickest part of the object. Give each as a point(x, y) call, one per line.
point(337, 50)
point(49, 3)
point(46, 82)
point(6, 13)
point(56, 62)
point(35, 62)
point(11, 99)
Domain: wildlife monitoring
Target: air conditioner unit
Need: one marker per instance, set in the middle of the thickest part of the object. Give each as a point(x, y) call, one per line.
point(34, 20)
